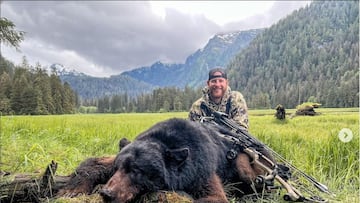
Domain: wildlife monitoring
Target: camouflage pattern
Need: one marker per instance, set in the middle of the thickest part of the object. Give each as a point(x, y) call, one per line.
point(238, 110)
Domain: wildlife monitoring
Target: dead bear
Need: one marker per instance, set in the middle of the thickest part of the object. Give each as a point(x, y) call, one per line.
point(176, 155)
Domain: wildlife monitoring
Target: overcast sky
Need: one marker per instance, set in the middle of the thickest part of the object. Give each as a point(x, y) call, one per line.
point(105, 38)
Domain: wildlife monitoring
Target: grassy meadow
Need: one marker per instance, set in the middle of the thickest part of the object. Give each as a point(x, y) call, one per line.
point(29, 143)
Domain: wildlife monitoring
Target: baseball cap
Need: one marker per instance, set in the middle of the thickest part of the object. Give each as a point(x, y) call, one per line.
point(217, 72)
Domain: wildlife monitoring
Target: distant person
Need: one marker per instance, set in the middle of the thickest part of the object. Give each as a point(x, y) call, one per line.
point(280, 112)
point(218, 96)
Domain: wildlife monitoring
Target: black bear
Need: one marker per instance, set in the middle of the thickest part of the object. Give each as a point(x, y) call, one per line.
point(175, 155)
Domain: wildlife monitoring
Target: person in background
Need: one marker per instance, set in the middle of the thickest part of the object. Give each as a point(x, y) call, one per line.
point(218, 96)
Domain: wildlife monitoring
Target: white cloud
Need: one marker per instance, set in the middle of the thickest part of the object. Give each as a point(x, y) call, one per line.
point(220, 12)
point(101, 38)
point(46, 55)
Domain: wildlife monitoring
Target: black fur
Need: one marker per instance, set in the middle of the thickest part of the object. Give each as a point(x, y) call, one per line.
point(174, 155)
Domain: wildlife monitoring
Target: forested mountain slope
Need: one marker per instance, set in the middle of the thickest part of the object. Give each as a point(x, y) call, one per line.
point(220, 49)
point(89, 87)
point(313, 54)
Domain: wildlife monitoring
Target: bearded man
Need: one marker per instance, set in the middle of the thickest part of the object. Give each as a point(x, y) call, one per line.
point(218, 96)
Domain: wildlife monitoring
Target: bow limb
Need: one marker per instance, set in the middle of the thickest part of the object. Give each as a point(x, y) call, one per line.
point(292, 193)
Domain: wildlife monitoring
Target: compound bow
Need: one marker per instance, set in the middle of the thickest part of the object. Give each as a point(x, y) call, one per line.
point(243, 138)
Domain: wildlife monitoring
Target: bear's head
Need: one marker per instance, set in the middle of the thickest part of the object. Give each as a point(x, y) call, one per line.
point(140, 167)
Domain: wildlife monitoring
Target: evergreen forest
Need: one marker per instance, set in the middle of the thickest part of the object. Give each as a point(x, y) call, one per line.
point(311, 55)
point(27, 90)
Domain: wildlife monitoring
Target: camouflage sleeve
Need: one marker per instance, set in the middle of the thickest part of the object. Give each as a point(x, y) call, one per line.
point(195, 112)
point(239, 110)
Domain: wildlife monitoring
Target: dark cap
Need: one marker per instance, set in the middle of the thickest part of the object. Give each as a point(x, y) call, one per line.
point(212, 73)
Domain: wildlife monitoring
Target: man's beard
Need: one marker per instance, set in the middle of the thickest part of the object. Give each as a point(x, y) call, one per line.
point(217, 93)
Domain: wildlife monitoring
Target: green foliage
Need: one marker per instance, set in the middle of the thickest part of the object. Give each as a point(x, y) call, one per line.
point(309, 143)
point(312, 99)
point(27, 90)
point(8, 34)
point(307, 105)
point(87, 109)
point(311, 54)
point(161, 100)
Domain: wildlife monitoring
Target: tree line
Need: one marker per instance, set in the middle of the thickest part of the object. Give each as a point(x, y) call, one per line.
point(168, 99)
point(28, 90)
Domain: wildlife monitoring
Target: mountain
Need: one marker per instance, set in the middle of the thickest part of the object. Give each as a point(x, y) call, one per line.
point(218, 52)
point(158, 74)
point(311, 55)
point(88, 87)
point(59, 69)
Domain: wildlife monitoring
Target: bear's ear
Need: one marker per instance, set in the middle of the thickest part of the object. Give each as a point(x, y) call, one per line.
point(177, 156)
point(123, 142)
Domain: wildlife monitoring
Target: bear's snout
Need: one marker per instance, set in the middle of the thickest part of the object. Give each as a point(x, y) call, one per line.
point(119, 189)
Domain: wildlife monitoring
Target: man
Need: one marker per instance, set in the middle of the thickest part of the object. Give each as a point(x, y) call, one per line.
point(218, 96)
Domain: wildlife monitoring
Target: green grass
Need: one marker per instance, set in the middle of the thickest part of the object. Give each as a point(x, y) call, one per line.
point(312, 144)
point(29, 143)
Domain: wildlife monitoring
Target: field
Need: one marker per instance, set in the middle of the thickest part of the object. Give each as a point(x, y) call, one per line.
point(29, 143)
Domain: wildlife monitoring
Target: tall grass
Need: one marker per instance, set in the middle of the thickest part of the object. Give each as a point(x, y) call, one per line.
point(29, 143)
point(312, 144)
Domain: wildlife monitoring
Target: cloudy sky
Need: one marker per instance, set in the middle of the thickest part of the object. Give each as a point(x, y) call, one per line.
point(102, 38)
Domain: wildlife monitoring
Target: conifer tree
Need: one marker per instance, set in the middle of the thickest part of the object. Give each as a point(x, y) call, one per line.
point(5, 93)
point(57, 93)
point(8, 35)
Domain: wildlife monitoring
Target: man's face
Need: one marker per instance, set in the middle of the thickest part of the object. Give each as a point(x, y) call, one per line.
point(217, 86)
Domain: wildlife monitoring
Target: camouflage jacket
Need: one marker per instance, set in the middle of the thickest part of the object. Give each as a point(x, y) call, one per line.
point(237, 109)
